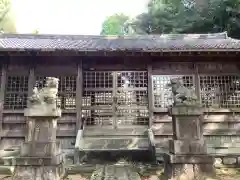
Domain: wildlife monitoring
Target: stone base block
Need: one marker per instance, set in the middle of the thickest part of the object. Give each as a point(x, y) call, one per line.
point(232, 161)
point(188, 159)
point(38, 172)
point(43, 111)
point(37, 161)
point(187, 128)
point(187, 147)
point(187, 110)
point(188, 171)
point(40, 149)
point(182, 167)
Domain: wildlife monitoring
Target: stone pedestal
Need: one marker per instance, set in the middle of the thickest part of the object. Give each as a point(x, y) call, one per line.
point(187, 157)
point(37, 172)
point(40, 156)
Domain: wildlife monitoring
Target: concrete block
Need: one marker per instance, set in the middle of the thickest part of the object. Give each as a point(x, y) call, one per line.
point(42, 172)
point(229, 160)
point(187, 127)
point(187, 110)
point(40, 149)
point(187, 147)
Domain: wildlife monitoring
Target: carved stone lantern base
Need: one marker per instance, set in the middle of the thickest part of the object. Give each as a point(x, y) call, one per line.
point(187, 157)
point(38, 172)
point(190, 167)
point(47, 110)
point(40, 155)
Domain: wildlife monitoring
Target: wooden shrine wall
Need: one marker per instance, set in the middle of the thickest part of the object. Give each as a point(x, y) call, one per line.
point(217, 84)
point(19, 76)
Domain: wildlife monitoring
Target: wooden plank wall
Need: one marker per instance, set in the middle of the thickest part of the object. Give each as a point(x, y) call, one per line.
point(221, 128)
point(24, 73)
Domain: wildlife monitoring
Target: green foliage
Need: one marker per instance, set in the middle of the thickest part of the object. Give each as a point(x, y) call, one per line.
point(176, 16)
point(7, 17)
point(115, 25)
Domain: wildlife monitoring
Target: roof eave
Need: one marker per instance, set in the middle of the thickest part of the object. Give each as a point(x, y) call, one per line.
point(118, 51)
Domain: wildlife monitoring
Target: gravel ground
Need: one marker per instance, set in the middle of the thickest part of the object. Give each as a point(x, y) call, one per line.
point(222, 174)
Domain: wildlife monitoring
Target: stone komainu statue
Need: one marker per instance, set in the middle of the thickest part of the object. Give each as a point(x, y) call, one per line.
point(46, 95)
point(181, 94)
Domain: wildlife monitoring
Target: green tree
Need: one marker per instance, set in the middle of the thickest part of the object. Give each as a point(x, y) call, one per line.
point(186, 17)
point(7, 17)
point(115, 25)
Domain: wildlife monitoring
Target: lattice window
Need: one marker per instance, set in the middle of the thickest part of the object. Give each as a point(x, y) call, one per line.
point(98, 95)
point(16, 92)
point(132, 98)
point(8, 118)
point(136, 79)
point(221, 91)
point(132, 116)
point(162, 93)
point(66, 90)
point(91, 98)
point(98, 79)
point(98, 116)
point(102, 103)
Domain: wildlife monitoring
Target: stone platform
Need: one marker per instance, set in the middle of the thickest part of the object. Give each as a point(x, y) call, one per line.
point(187, 157)
point(40, 155)
point(190, 166)
point(36, 172)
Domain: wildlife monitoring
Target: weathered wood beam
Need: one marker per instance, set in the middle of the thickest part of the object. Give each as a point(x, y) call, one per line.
point(21, 133)
point(197, 81)
point(150, 95)
point(79, 93)
point(2, 93)
point(31, 80)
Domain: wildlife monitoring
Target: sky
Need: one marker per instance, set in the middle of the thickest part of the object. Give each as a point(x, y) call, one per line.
point(70, 16)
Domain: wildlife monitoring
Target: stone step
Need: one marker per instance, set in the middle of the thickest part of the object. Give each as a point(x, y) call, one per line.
point(113, 172)
point(113, 143)
point(230, 150)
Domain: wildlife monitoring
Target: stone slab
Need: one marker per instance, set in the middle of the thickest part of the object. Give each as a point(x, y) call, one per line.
point(115, 172)
point(106, 144)
point(188, 171)
point(38, 172)
point(187, 127)
point(39, 161)
point(187, 147)
point(40, 149)
point(229, 160)
point(223, 151)
point(41, 130)
point(43, 111)
point(188, 159)
point(187, 110)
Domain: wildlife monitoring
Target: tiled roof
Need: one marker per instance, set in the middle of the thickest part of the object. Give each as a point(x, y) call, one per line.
point(149, 43)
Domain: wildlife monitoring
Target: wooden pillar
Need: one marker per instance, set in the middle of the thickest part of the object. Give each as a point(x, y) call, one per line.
point(197, 82)
point(31, 80)
point(2, 94)
point(114, 106)
point(79, 96)
point(79, 122)
point(150, 95)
